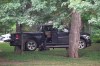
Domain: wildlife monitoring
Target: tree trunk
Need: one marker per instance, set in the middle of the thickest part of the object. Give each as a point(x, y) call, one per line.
point(17, 49)
point(74, 35)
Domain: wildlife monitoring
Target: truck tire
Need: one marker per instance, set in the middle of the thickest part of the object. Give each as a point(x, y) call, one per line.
point(82, 44)
point(31, 45)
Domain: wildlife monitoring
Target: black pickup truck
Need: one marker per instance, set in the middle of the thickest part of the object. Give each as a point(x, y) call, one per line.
point(48, 37)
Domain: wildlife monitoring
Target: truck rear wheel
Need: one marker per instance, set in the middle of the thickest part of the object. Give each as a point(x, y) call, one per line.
point(31, 45)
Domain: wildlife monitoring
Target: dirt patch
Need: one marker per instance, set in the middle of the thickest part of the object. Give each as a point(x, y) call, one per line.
point(5, 62)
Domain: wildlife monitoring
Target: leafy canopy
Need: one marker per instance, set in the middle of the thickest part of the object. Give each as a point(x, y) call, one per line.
point(33, 11)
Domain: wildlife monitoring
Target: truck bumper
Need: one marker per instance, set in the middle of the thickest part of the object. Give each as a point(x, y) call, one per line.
point(14, 43)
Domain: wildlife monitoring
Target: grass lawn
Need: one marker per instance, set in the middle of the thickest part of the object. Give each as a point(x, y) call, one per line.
point(54, 57)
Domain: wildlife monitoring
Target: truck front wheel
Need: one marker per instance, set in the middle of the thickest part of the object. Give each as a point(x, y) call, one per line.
point(31, 45)
point(82, 44)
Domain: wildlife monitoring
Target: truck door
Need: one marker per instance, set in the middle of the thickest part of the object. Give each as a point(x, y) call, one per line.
point(54, 37)
point(63, 37)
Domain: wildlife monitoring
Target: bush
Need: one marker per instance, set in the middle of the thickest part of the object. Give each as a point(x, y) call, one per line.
point(95, 38)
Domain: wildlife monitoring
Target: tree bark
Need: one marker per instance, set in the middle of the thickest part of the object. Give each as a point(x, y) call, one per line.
point(17, 49)
point(74, 35)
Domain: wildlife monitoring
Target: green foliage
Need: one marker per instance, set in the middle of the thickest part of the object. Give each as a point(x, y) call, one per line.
point(95, 39)
point(5, 1)
point(88, 6)
point(33, 11)
point(6, 27)
point(95, 20)
point(41, 11)
point(95, 16)
point(81, 6)
point(44, 11)
point(90, 11)
point(38, 5)
point(7, 11)
point(95, 34)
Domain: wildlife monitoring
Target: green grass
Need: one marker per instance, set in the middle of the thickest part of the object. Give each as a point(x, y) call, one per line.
point(54, 57)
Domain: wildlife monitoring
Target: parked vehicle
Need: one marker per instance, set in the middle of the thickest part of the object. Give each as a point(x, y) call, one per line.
point(5, 38)
point(47, 37)
point(1, 38)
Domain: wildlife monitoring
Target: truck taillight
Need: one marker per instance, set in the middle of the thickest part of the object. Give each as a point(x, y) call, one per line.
point(17, 36)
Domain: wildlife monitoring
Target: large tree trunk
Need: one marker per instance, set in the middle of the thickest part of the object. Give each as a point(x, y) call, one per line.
point(74, 35)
